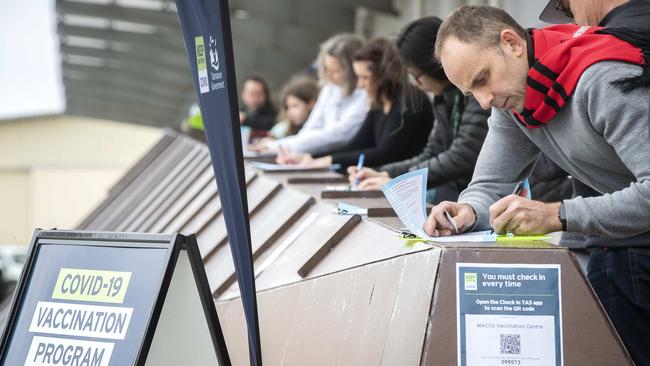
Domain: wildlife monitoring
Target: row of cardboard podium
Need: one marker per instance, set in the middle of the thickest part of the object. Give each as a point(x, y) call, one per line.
point(340, 289)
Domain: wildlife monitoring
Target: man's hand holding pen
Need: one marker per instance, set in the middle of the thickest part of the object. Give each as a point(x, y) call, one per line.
point(515, 213)
point(438, 223)
point(522, 216)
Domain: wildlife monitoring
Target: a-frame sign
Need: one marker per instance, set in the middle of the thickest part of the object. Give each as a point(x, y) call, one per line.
point(112, 299)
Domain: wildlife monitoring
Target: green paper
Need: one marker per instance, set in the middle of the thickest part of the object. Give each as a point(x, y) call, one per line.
point(504, 237)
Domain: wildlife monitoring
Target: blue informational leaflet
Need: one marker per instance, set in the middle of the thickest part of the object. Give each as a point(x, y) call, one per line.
point(407, 196)
point(509, 314)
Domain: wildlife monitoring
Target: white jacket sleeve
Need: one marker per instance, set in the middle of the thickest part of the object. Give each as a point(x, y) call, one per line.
point(332, 123)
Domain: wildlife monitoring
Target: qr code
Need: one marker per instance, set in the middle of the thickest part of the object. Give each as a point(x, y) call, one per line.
point(203, 81)
point(510, 344)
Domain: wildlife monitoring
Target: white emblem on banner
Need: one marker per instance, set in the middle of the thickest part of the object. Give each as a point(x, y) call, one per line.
point(214, 56)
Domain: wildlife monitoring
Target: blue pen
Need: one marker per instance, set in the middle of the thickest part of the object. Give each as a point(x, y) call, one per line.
point(362, 157)
point(523, 185)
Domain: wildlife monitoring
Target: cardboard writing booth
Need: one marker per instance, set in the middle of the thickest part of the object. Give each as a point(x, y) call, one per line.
point(349, 290)
point(403, 311)
point(112, 299)
point(375, 314)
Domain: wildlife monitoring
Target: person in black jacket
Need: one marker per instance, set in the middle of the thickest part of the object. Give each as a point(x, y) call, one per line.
point(399, 120)
point(256, 110)
point(460, 123)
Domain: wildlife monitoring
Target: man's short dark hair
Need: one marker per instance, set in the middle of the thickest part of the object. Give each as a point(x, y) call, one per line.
point(479, 24)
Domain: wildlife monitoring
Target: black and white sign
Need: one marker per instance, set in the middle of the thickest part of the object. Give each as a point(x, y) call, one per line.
point(509, 314)
point(109, 299)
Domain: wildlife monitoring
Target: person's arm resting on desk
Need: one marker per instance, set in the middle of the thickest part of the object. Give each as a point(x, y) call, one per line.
point(505, 159)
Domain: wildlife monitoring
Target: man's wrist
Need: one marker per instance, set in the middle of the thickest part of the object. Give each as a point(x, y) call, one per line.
point(554, 216)
point(562, 216)
point(473, 212)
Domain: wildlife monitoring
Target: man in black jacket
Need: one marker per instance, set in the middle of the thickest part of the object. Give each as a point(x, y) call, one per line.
point(460, 123)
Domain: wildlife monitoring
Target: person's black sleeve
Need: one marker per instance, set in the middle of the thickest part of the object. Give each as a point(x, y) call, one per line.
point(263, 119)
point(362, 139)
point(459, 160)
point(404, 166)
point(393, 144)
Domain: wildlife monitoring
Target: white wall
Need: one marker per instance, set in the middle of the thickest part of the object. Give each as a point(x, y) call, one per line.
point(526, 12)
point(14, 203)
point(55, 170)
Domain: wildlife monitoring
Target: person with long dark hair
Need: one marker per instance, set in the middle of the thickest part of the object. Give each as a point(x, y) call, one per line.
point(399, 120)
point(460, 127)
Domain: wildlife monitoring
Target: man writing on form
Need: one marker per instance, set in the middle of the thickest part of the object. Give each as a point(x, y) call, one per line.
point(580, 95)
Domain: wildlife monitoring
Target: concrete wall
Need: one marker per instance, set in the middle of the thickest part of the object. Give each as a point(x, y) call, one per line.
point(14, 205)
point(526, 12)
point(55, 170)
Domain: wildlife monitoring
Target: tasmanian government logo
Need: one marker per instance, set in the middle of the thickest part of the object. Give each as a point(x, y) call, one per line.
point(214, 56)
point(471, 281)
point(216, 77)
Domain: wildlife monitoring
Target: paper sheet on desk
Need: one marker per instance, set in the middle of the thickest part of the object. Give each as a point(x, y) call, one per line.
point(285, 167)
point(407, 195)
point(255, 154)
point(340, 188)
point(348, 209)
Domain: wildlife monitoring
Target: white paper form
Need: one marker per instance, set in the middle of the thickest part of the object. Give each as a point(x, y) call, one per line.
point(270, 167)
point(407, 195)
point(348, 209)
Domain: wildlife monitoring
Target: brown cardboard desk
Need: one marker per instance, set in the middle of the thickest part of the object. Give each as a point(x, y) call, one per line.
point(333, 289)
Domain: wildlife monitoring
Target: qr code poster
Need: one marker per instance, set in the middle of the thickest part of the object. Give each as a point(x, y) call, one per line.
point(510, 344)
point(509, 315)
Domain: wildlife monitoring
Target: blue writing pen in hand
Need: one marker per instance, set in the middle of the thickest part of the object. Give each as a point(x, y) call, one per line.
point(521, 189)
point(362, 157)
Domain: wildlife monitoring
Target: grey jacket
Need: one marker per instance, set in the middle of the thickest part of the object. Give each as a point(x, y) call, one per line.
point(601, 137)
point(450, 155)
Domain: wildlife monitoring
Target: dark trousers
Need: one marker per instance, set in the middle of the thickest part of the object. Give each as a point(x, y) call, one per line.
point(445, 192)
point(621, 279)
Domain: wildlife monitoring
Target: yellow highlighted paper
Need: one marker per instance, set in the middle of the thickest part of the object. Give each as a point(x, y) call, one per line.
point(91, 285)
point(522, 237)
